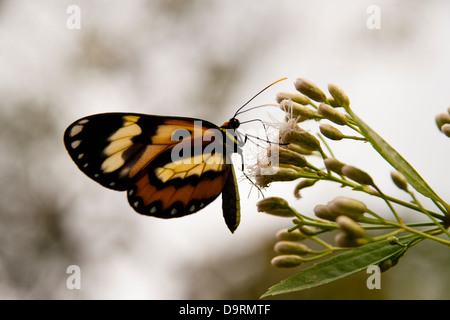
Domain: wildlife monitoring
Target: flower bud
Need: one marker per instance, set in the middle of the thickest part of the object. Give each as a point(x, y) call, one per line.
point(344, 240)
point(294, 235)
point(297, 110)
point(332, 114)
point(333, 102)
point(389, 263)
point(300, 137)
point(399, 180)
point(357, 175)
point(348, 207)
point(446, 129)
point(275, 206)
point(296, 97)
point(309, 231)
point(304, 183)
point(298, 149)
point(264, 173)
point(339, 95)
point(334, 165)
point(284, 174)
point(286, 261)
point(287, 156)
point(349, 226)
point(385, 265)
point(441, 119)
point(330, 132)
point(310, 90)
point(291, 247)
point(322, 212)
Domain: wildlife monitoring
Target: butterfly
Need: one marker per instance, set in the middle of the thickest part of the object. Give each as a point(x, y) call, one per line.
point(169, 166)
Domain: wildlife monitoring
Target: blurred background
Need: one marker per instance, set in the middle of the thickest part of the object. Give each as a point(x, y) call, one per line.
point(204, 59)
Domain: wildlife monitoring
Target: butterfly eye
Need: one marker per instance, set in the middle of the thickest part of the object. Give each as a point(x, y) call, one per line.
point(234, 123)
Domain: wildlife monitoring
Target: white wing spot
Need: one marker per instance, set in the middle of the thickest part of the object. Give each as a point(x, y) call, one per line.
point(173, 211)
point(85, 165)
point(130, 192)
point(135, 204)
point(75, 144)
point(192, 208)
point(76, 129)
point(112, 184)
point(201, 205)
point(80, 156)
point(152, 210)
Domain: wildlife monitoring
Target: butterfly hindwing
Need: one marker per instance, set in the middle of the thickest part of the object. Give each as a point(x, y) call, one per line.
point(135, 152)
point(168, 189)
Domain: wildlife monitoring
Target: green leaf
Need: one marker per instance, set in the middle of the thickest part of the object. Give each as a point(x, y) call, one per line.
point(396, 160)
point(341, 266)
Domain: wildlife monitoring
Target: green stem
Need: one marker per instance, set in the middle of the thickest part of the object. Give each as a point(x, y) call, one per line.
point(355, 138)
point(358, 187)
point(444, 230)
point(389, 204)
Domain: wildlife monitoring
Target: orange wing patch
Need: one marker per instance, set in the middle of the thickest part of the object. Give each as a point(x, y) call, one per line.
point(175, 199)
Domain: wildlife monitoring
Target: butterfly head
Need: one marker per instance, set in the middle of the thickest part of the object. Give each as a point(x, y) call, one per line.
point(233, 123)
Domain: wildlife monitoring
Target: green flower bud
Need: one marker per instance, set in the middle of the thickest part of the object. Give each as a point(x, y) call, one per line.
point(357, 175)
point(344, 240)
point(298, 149)
point(286, 261)
point(441, 119)
point(310, 90)
point(300, 137)
point(275, 206)
point(334, 165)
point(291, 247)
point(287, 156)
point(385, 265)
point(389, 263)
point(339, 95)
point(399, 180)
point(264, 174)
point(322, 212)
point(333, 102)
point(296, 97)
point(332, 114)
point(297, 110)
point(304, 183)
point(330, 132)
point(294, 235)
point(349, 226)
point(347, 207)
point(308, 231)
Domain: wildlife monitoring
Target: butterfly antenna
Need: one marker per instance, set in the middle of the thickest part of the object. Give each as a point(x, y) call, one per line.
point(262, 123)
point(237, 112)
